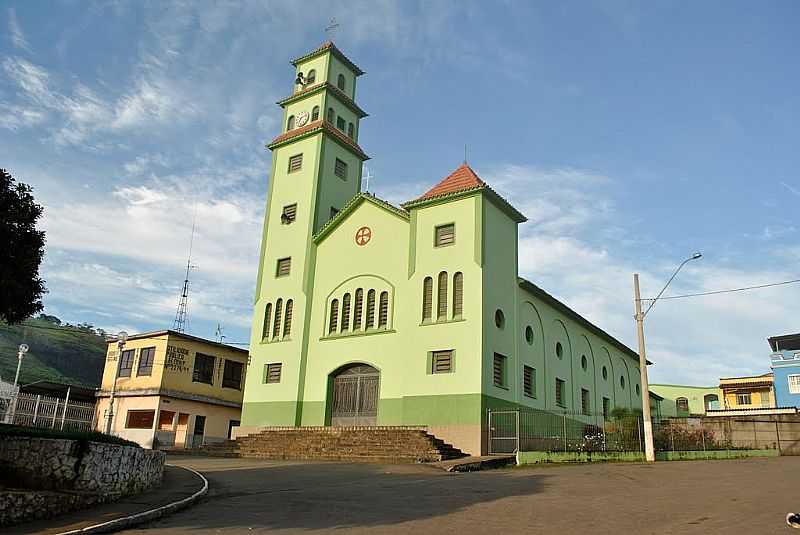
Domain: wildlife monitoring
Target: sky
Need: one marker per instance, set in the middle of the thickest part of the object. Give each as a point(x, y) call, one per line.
point(631, 134)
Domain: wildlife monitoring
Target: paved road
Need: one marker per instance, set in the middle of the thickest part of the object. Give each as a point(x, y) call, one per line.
point(737, 496)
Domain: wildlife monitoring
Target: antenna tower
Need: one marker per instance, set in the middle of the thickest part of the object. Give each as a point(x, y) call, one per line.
point(179, 325)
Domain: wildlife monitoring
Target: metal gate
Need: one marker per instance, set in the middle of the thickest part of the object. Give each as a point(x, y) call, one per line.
point(355, 396)
point(503, 431)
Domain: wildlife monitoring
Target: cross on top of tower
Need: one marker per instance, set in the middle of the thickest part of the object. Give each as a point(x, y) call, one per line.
point(331, 28)
point(367, 177)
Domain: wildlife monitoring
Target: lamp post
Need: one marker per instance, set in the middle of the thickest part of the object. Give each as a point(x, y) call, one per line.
point(21, 350)
point(122, 337)
point(647, 423)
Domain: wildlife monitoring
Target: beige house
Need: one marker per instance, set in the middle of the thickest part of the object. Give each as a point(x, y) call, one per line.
point(172, 389)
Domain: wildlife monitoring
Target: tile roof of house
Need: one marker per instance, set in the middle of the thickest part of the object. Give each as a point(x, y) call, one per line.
point(462, 179)
point(328, 45)
point(316, 126)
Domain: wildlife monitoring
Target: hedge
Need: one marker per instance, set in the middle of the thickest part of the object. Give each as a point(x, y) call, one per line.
point(90, 436)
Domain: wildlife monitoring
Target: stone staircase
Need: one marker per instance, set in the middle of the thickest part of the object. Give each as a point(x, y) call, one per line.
point(379, 444)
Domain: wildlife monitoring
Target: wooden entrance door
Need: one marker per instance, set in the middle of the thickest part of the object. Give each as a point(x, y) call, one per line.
point(355, 396)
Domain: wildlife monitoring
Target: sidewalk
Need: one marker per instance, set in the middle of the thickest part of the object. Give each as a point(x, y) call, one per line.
point(178, 483)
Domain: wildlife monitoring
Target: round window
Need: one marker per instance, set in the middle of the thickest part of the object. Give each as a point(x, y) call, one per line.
point(622, 381)
point(559, 350)
point(529, 335)
point(584, 362)
point(499, 318)
point(637, 390)
point(605, 373)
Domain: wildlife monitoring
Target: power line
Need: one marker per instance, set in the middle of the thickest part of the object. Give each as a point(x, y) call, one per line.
point(743, 289)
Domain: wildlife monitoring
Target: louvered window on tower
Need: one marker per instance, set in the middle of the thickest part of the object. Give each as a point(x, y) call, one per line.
point(442, 361)
point(458, 295)
point(499, 370)
point(284, 267)
point(295, 163)
point(289, 214)
point(287, 318)
point(276, 325)
point(441, 304)
point(346, 312)
point(340, 169)
point(445, 235)
point(267, 318)
point(383, 310)
point(333, 322)
point(340, 123)
point(272, 372)
point(370, 322)
point(427, 299)
point(560, 393)
point(315, 113)
point(357, 309)
point(529, 381)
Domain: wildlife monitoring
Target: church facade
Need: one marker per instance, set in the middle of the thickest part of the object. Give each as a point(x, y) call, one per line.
point(372, 314)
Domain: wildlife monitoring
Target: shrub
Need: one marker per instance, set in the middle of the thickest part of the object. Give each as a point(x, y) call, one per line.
point(89, 436)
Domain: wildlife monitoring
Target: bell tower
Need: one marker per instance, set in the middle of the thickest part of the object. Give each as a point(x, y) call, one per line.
point(316, 169)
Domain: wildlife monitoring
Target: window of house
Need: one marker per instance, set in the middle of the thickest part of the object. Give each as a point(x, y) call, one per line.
point(340, 123)
point(331, 118)
point(560, 393)
point(682, 405)
point(346, 312)
point(140, 419)
point(340, 82)
point(622, 381)
point(290, 123)
point(358, 307)
point(444, 235)
point(559, 350)
point(350, 130)
point(203, 369)
point(289, 214)
point(584, 362)
point(340, 169)
point(442, 361)
point(232, 374)
point(126, 363)
point(606, 408)
point(165, 419)
point(295, 163)
point(267, 317)
point(276, 323)
point(146, 361)
point(605, 373)
point(383, 310)
point(287, 318)
point(499, 370)
point(794, 383)
point(315, 113)
point(311, 77)
point(370, 320)
point(529, 381)
point(284, 267)
point(765, 399)
point(744, 399)
point(427, 299)
point(638, 390)
point(499, 319)
point(272, 372)
point(585, 407)
point(333, 321)
point(441, 301)
point(529, 335)
point(458, 295)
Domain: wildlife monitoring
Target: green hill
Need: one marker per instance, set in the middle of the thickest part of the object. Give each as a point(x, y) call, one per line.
point(59, 352)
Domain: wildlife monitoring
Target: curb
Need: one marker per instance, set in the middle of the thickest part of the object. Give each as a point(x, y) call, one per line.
point(145, 516)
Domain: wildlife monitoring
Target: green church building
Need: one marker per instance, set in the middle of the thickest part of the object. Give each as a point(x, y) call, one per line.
point(372, 314)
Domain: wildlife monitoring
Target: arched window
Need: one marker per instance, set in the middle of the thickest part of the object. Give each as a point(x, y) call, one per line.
point(427, 299)
point(331, 116)
point(682, 405)
point(340, 82)
point(315, 113)
point(357, 308)
point(441, 304)
point(267, 317)
point(383, 310)
point(458, 294)
point(350, 130)
point(276, 324)
point(290, 123)
point(370, 310)
point(311, 77)
point(711, 401)
point(346, 312)
point(333, 322)
point(287, 318)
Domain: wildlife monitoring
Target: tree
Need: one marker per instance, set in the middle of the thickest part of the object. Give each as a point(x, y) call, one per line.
point(21, 251)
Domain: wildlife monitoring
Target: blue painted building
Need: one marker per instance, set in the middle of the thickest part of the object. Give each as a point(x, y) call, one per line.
point(786, 369)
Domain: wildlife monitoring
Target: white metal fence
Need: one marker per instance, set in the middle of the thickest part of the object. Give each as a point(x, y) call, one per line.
point(34, 410)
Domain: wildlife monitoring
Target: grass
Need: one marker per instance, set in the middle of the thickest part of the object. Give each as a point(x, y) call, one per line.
point(88, 436)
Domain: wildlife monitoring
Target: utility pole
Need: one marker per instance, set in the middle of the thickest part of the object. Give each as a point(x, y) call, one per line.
point(11, 412)
point(647, 423)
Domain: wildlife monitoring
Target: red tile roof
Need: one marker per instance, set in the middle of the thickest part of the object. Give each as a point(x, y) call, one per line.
point(320, 125)
point(463, 178)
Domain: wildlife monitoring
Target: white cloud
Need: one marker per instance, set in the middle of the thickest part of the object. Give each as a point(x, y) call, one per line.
point(15, 31)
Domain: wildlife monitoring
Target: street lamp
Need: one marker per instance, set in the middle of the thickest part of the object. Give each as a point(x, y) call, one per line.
point(21, 350)
point(122, 337)
point(649, 448)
